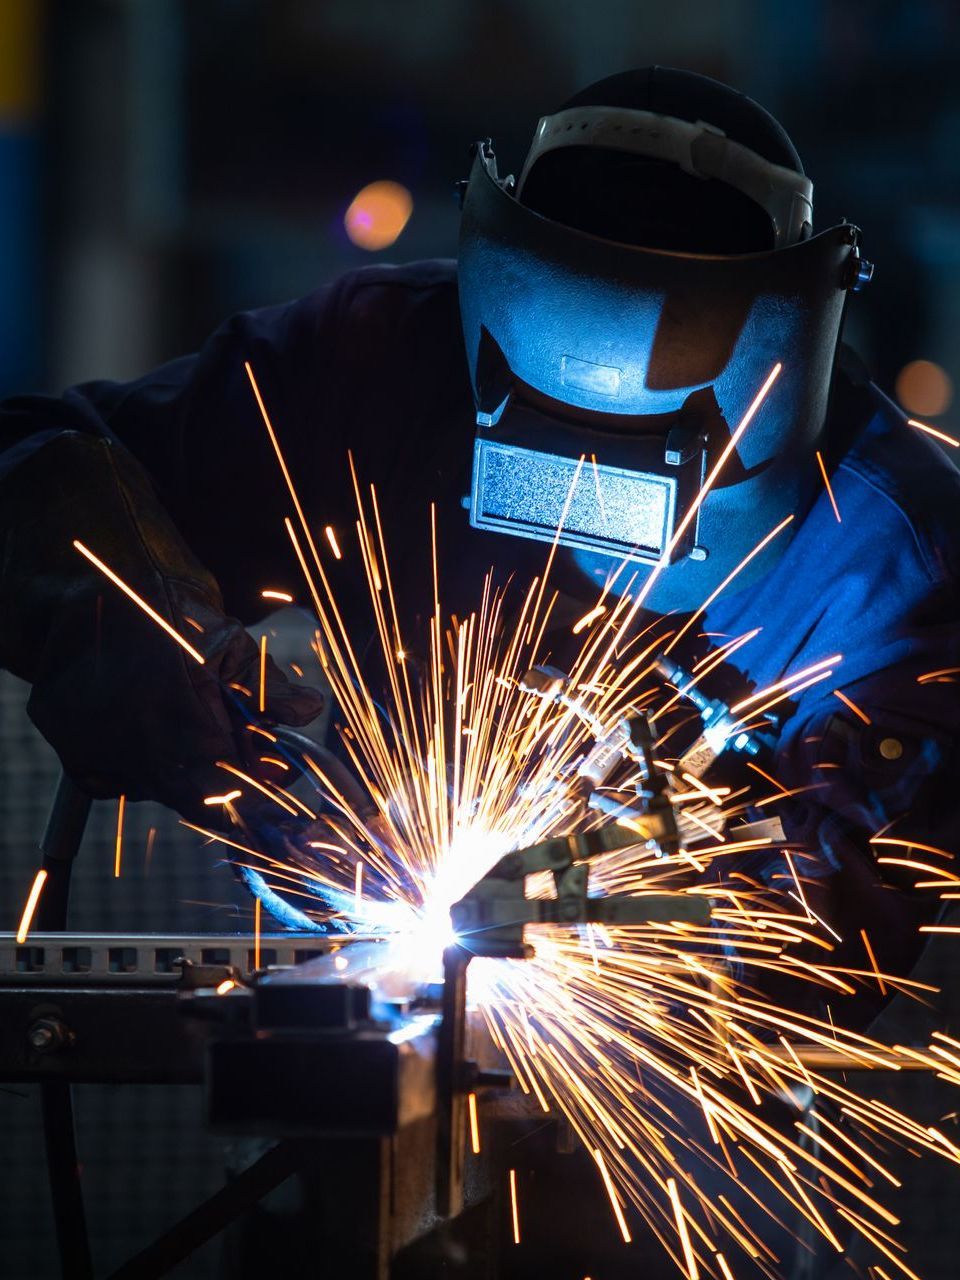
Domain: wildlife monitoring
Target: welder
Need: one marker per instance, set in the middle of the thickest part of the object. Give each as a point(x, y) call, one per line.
point(623, 299)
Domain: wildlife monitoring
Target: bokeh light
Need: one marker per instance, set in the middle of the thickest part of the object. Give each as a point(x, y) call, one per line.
point(377, 214)
point(923, 387)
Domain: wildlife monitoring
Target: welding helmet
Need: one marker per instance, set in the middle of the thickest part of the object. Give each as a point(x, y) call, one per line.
point(619, 328)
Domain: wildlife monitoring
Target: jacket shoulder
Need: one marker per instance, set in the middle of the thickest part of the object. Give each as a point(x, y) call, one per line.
point(382, 287)
point(900, 469)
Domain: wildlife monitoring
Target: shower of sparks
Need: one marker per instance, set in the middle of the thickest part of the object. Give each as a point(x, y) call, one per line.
point(656, 1043)
point(30, 906)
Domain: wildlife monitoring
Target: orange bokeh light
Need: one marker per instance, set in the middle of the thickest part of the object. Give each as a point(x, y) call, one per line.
point(377, 215)
point(923, 387)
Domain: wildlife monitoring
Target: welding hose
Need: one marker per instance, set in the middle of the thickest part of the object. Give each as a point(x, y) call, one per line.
point(297, 748)
point(59, 847)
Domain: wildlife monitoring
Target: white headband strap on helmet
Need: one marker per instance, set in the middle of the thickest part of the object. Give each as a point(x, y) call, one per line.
point(698, 149)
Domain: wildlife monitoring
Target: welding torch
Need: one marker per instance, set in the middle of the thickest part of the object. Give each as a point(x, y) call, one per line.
point(491, 918)
point(722, 731)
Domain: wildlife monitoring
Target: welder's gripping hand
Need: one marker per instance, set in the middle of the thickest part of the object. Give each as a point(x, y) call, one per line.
point(128, 709)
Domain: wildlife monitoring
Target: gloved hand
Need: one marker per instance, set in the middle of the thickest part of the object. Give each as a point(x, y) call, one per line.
point(124, 706)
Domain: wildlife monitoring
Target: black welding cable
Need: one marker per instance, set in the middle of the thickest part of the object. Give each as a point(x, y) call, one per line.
point(59, 847)
point(63, 1171)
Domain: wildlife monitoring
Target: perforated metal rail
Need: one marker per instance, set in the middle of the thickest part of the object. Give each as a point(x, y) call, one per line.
point(145, 958)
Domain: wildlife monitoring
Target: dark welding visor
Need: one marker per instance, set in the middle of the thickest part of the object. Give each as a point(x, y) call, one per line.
point(642, 362)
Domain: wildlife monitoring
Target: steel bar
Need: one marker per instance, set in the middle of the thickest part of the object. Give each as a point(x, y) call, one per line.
point(209, 1218)
point(139, 959)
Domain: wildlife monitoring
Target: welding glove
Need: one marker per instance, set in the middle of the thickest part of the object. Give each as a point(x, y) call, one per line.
point(127, 708)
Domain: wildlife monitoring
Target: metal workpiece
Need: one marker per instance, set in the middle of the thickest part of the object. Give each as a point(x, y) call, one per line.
point(314, 1059)
point(360, 1083)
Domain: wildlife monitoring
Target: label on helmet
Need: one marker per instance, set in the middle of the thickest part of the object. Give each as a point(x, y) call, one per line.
point(584, 375)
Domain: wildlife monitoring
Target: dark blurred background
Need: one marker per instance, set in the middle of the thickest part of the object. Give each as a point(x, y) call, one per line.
point(164, 163)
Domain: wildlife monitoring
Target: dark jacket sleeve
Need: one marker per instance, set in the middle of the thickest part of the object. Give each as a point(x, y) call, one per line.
point(195, 428)
point(875, 823)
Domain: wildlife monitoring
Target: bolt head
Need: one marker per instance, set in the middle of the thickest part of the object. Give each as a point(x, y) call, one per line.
point(47, 1035)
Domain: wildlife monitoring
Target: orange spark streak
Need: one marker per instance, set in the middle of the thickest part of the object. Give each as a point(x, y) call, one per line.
point(474, 1124)
point(553, 545)
point(853, 706)
point(224, 799)
point(734, 573)
point(121, 806)
point(786, 683)
point(708, 484)
point(255, 728)
point(756, 769)
point(245, 777)
point(139, 601)
point(596, 612)
point(612, 1193)
point(256, 933)
point(285, 596)
point(334, 545)
point(281, 460)
point(148, 852)
point(826, 481)
point(513, 1206)
point(873, 961)
point(358, 888)
point(692, 1269)
point(262, 699)
point(31, 905)
point(932, 431)
point(727, 451)
point(911, 844)
point(226, 985)
point(276, 762)
point(935, 675)
point(724, 1267)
